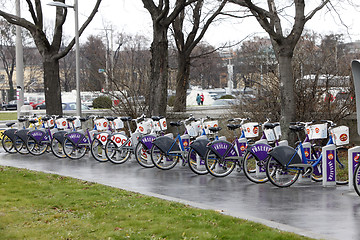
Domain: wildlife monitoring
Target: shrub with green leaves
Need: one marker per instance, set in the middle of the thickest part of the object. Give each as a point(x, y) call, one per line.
point(102, 102)
point(227, 97)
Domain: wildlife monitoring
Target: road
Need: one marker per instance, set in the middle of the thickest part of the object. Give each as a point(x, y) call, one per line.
point(305, 208)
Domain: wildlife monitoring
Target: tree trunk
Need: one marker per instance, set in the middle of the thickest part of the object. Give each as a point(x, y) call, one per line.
point(288, 104)
point(52, 87)
point(182, 82)
point(159, 72)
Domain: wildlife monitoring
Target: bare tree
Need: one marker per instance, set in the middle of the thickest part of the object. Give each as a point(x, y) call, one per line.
point(162, 15)
point(283, 43)
point(50, 50)
point(186, 44)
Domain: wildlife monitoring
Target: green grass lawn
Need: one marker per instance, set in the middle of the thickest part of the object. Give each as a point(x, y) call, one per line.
point(36, 205)
point(8, 116)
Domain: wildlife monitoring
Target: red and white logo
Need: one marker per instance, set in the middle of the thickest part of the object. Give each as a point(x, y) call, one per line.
point(317, 130)
point(331, 156)
point(343, 137)
point(255, 130)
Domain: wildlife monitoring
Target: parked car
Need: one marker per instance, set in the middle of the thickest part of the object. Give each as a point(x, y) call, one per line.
point(72, 106)
point(12, 105)
point(39, 105)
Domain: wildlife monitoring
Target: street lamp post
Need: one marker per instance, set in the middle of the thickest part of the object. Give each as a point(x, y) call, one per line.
point(77, 50)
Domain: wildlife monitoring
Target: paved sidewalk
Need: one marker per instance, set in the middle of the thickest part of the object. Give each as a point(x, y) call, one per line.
point(305, 208)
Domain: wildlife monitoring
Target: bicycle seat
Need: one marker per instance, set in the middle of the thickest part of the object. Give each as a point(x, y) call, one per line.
point(111, 118)
point(124, 119)
point(270, 125)
point(33, 121)
point(156, 118)
point(10, 124)
point(83, 119)
point(46, 118)
point(214, 129)
point(22, 119)
point(296, 128)
point(233, 126)
point(70, 119)
point(175, 124)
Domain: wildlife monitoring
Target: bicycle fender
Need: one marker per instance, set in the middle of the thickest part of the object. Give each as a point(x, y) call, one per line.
point(119, 139)
point(60, 136)
point(102, 137)
point(22, 134)
point(199, 146)
point(285, 155)
point(38, 135)
point(10, 133)
point(166, 144)
point(76, 137)
point(260, 150)
point(147, 141)
point(222, 148)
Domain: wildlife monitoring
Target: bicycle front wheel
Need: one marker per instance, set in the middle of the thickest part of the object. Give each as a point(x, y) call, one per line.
point(356, 179)
point(73, 151)
point(57, 148)
point(254, 169)
point(218, 167)
point(8, 144)
point(115, 154)
point(196, 163)
point(20, 146)
point(161, 161)
point(35, 148)
point(98, 150)
point(143, 156)
point(279, 175)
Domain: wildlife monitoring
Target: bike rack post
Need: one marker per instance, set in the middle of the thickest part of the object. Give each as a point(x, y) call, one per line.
point(307, 150)
point(353, 159)
point(328, 165)
point(355, 67)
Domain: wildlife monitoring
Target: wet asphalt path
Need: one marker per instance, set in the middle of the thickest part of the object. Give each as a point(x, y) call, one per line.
point(305, 208)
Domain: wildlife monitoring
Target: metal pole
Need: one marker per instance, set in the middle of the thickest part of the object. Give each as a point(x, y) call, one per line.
point(77, 52)
point(19, 64)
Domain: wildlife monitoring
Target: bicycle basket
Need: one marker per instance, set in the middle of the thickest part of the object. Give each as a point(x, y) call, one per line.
point(210, 124)
point(61, 123)
point(317, 131)
point(340, 135)
point(101, 124)
point(118, 124)
point(144, 127)
point(163, 124)
point(251, 129)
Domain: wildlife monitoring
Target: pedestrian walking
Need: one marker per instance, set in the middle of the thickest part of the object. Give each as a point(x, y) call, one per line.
point(198, 99)
point(202, 98)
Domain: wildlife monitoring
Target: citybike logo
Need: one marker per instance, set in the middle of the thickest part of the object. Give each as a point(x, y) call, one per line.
point(36, 134)
point(331, 156)
point(343, 137)
point(141, 129)
point(74, 136)
point(63, 123)
point(308, 131)
point(164, 123)
point(260, 148)
point(185, 143)
point(317, 130)
point(147, 139)
point(220, 146)
point(307, 153)
point(255, 130)
point(248, 130)
point(242, 148)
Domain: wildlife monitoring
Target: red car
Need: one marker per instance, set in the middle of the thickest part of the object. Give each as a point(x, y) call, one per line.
point(38, 105)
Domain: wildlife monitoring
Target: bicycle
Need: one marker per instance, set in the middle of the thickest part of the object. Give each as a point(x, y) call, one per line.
point(77, 143)
point(8, 140)
point(166, 152)
point(119, 147)
point(20, 140)
point(284, 164)
point(57, 141)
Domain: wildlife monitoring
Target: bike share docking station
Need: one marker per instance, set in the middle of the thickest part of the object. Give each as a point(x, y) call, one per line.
point(354, 153)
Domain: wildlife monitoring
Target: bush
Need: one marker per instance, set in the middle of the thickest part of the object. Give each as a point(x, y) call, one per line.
point(102, 102)
point(171, 101)
point(227, 97)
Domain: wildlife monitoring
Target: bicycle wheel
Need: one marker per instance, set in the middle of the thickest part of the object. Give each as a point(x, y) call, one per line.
point(196, 163)
point(98, 150)
point(73, 151)
point(8, 144)
point(36, 148)
point(57, 148)
point(114, 154)
point(356, 179)
point(315, 154)
point(20, 146)
point(143, 156)
point(254, 169)
point(216, 166)
point(161, 161)
point(342, 173)
point(279, 175)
